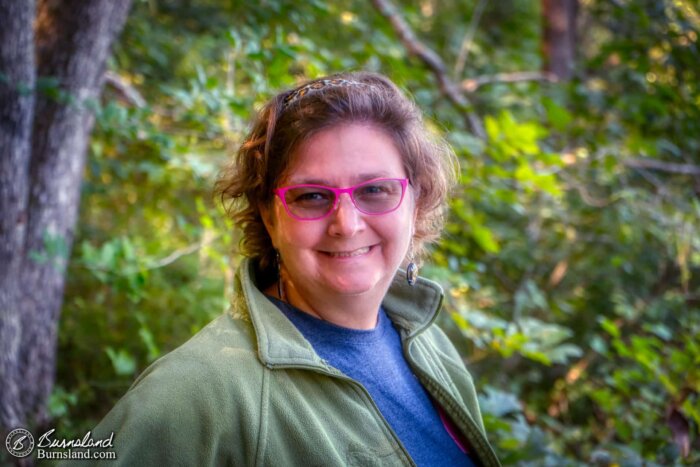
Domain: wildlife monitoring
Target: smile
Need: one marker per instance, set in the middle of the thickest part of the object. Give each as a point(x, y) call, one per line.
point(348, 254)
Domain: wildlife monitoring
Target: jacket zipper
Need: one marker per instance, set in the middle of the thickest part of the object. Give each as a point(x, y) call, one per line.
point(485, 453)
point(486, 456)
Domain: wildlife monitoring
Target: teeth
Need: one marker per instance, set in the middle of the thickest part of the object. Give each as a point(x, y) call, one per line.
point(347, 254)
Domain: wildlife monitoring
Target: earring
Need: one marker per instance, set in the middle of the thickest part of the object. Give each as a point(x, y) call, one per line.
point(411, 269)
point(278, 260)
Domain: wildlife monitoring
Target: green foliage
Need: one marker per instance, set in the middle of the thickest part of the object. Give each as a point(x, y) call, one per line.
point(571, 270)
point(55, 251)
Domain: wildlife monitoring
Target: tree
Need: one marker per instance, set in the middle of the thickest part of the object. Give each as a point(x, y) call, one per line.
point(52, 61)
point(559, 36)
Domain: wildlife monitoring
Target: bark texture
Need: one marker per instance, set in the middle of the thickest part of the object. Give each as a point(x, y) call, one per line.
point(71, 40)
point(16, 112)
point(559, 37)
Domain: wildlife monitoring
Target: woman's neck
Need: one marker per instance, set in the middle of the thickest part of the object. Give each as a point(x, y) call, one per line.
point(349, 311)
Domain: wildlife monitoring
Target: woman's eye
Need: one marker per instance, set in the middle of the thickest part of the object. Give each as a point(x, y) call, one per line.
point(369, 190)
point(312, 197)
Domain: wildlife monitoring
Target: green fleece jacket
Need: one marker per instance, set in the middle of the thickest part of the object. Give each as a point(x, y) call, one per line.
point(249, 390)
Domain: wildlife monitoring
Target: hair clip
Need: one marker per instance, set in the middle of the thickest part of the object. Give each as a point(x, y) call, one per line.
point(317, 86)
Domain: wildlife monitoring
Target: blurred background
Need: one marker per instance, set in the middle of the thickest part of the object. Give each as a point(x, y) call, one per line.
point(571, 259)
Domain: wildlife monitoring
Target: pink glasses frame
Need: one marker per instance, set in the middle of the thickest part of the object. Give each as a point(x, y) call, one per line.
point(280, 192)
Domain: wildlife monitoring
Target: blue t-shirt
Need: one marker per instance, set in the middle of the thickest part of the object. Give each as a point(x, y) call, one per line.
point(374, 358)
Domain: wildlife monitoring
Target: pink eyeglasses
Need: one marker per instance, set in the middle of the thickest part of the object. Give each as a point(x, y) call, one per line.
point(313, 202)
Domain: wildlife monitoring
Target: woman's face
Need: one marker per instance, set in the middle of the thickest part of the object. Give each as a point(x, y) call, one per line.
point(347, 252)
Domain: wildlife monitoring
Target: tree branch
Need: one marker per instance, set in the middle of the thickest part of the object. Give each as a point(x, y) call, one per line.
point(157, 263)
point(583, 192)
point(432, 61)
point(177, 254)
point(126, 90)
point(468, 39)
point(670, 167)
point(472, 84)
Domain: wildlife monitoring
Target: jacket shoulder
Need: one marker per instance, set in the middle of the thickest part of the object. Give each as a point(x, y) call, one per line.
point(183, 407)
point(227, 340)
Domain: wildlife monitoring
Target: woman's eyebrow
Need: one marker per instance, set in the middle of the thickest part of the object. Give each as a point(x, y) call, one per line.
point(371, 176)
point(309, 181)
point(356, 179)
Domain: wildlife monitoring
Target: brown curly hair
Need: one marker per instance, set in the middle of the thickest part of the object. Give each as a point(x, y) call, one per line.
point(292, 117)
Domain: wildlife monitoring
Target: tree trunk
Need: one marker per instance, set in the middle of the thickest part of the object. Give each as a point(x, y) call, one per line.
point(559, 37)
point(73, 40)
point(16, 114)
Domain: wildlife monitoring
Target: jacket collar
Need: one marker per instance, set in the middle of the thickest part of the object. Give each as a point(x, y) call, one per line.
point(411, 308)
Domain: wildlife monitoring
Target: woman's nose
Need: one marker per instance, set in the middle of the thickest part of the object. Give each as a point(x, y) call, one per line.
point(346, 220)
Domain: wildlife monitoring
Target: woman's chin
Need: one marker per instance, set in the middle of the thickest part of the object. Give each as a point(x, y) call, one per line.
point(355, 284)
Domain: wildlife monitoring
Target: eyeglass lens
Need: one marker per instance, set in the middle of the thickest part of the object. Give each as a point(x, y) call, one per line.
point(374, 197)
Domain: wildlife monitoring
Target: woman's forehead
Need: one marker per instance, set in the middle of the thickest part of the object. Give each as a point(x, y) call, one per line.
point(349, 154)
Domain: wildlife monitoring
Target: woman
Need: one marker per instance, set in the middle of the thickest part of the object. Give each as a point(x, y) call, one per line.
point(329, 355)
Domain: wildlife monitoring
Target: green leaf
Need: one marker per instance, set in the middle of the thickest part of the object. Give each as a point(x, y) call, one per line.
point(498, 403)
point(610, 327)
point(123, 362)
point(558, 116)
